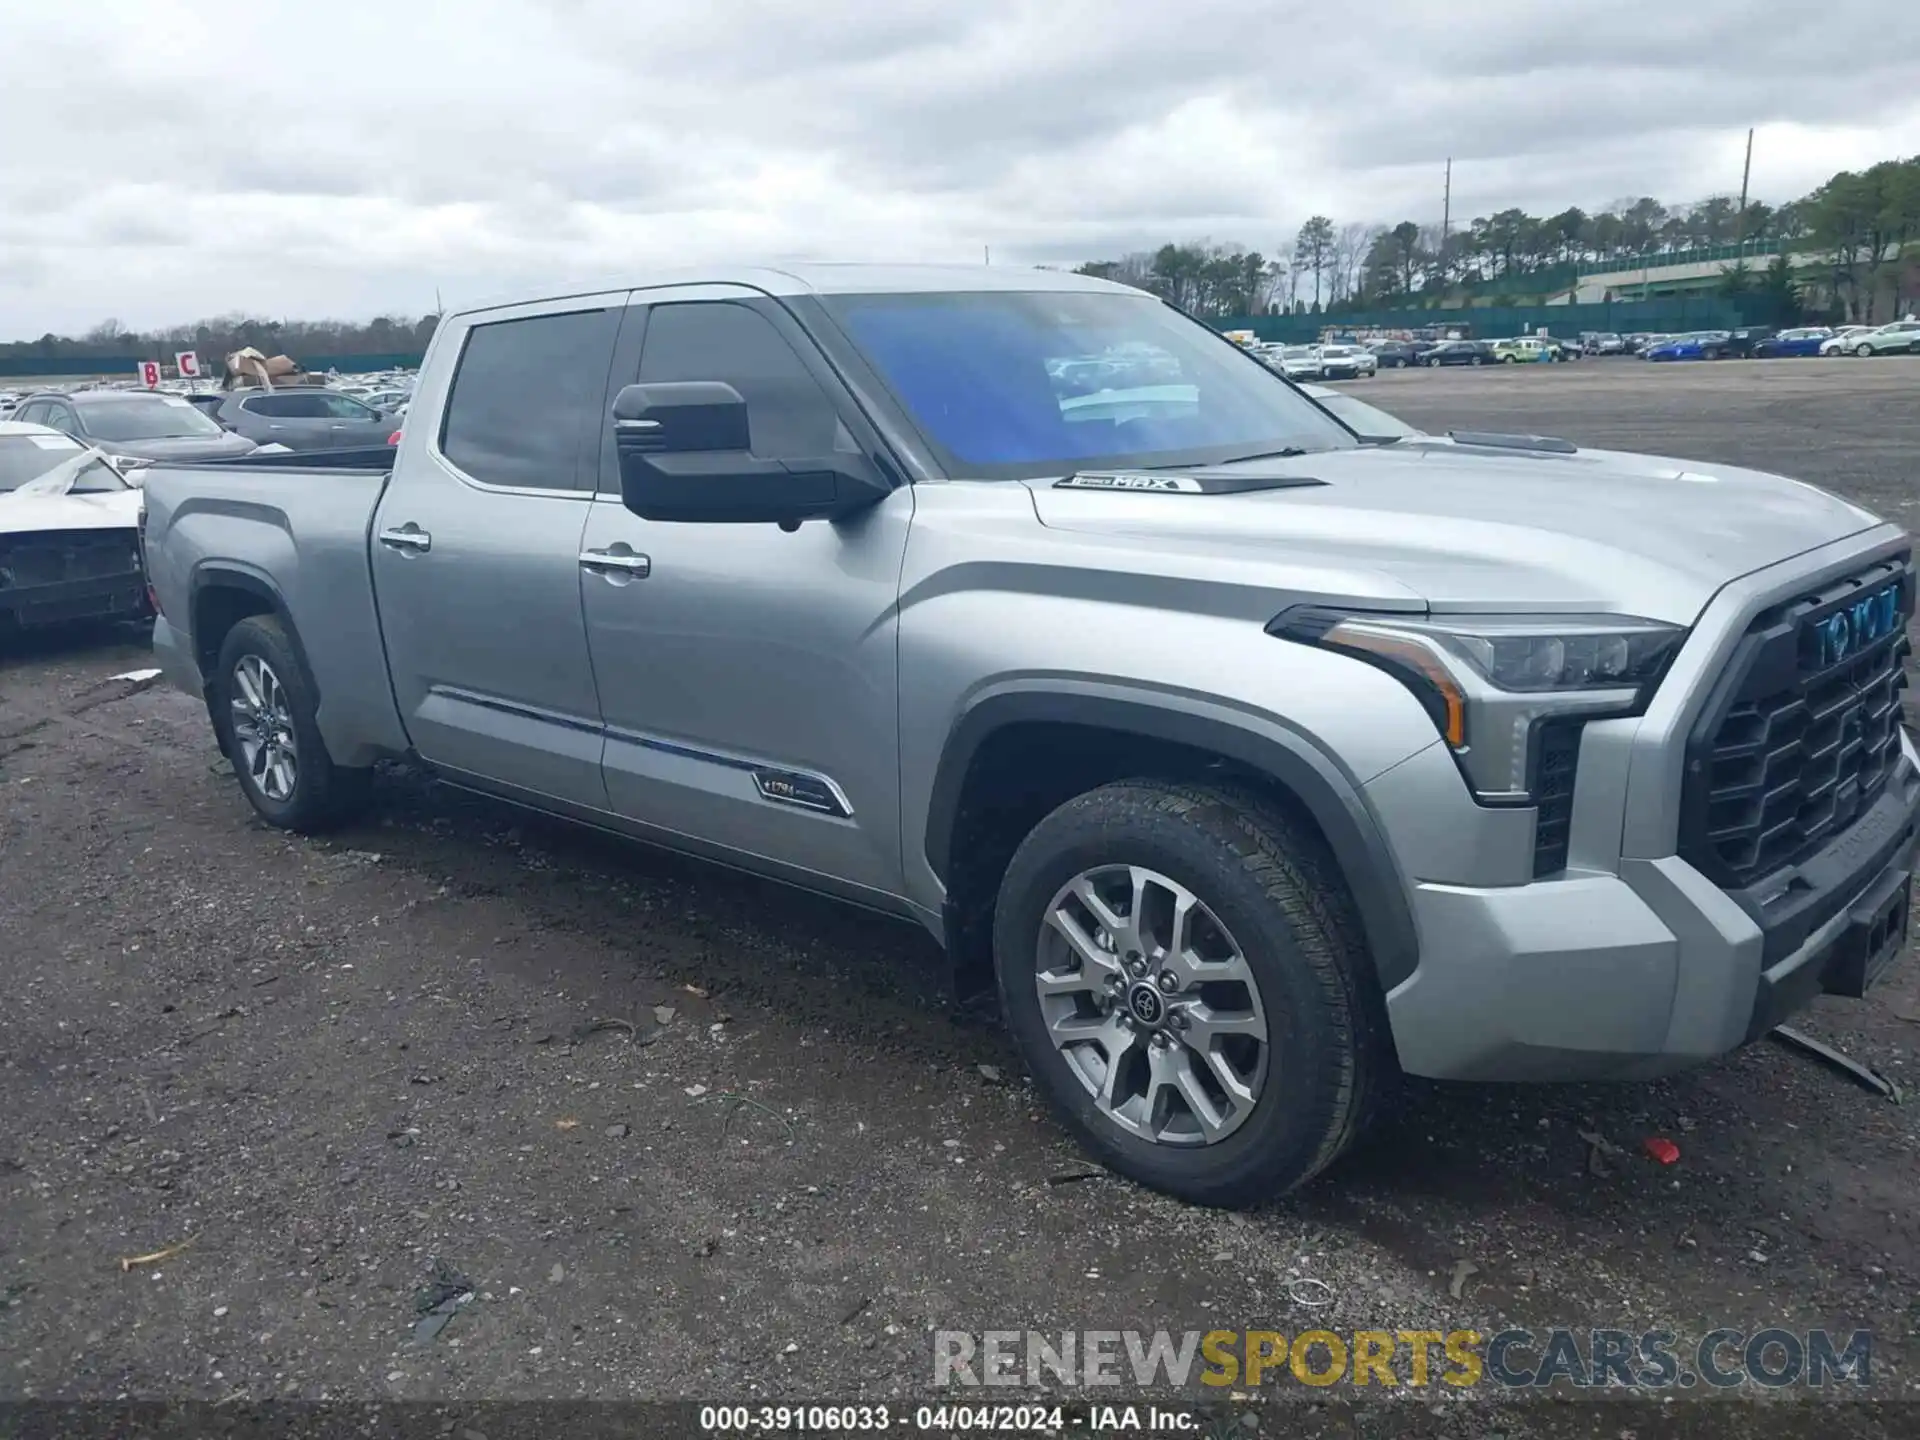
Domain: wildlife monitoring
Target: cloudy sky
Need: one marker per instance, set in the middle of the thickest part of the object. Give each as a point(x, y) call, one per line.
point(172, 159)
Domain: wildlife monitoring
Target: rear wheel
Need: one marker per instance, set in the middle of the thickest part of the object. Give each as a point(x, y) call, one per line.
point(1185, 977)
point(1863, 351)
point(1433, 362)
point(265, 710)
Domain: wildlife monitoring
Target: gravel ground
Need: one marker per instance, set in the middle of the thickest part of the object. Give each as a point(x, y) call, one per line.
point(339, 1071)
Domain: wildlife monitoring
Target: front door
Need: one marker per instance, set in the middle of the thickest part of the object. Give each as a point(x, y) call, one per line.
point(747, 674)
point(476, 555)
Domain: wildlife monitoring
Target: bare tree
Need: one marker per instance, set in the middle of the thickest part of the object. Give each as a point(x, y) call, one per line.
point(1286, 277)
point(1350, 248)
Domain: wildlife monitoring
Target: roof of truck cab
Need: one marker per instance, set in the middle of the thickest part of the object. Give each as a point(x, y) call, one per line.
point(826, 279)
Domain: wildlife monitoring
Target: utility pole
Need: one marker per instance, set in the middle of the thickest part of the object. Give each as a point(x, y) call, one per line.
point(1446, 221)
point(1746, 173)
point(986, 252)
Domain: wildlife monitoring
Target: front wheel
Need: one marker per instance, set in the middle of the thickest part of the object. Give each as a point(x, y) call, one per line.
point(1185, 977)
point(1863, 351)
point(1433, 364)
point(1479, 359)
point(264, 710)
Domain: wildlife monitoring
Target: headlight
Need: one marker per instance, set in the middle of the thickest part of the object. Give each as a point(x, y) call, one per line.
point(1489, 680)
point(130, 462)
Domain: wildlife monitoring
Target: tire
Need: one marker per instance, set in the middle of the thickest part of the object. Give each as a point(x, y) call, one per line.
point(261, 672)
point(1433, 364)
point(1863, 351)
point(1479, 360)
point(1274, 893)
point(1509, 360)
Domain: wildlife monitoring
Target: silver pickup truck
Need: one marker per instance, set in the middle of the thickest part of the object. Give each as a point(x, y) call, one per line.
point(1257, 765)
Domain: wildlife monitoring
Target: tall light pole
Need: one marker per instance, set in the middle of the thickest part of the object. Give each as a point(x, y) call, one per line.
point(1746, 173)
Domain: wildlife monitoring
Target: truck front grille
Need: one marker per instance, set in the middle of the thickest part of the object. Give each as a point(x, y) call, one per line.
point(1802, 731)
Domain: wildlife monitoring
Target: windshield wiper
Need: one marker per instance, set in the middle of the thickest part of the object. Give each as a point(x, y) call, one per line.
point(1289, 452)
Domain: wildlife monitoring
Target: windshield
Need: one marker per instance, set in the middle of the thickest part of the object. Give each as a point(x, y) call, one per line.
point(28, 457)
point(1020, 385)
point(145, 417)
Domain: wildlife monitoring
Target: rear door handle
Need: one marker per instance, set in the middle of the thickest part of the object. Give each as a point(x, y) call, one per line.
point(611, 563)
point(407, 537)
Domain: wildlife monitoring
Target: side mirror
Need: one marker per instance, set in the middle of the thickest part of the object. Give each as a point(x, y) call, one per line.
point(686, 453)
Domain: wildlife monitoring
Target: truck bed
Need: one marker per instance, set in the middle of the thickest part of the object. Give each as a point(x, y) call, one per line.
point(252, 526)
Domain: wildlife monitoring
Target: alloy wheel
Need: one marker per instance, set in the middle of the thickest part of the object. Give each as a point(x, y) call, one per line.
point(263, 729)
point(1152, 1005)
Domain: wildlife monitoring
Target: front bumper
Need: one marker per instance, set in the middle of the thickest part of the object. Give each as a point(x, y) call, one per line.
point(64, 602)
point(1632, 963)
point(1647, 972)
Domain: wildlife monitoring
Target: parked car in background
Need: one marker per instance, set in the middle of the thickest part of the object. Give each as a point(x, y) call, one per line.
point(1369, 422)
point(1459, 352)
point(1567, 349)
point(8, 402)
point(1347, 362)
point(304, 419)
point(1398, 354)
point(134, 425)
point(1902, 337)
point(1840, 342)
point(1701, 345)
point(1803, 340)
point(1603, 342)
point(1298, 362)
point(69, 542)
point(389, 402)
point(1522, 350)
point(1740, 342)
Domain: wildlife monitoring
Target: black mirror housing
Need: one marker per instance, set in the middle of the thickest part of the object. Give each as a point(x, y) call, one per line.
point(685, 453)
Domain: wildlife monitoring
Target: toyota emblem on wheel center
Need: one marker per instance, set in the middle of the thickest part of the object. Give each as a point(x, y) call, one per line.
point(1147, 1006)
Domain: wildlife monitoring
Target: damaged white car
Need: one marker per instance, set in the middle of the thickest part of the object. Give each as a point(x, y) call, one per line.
point(69, 533)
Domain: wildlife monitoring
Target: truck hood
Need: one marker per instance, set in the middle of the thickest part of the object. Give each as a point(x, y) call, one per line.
point(105, 510)
point(184, 448)
point(1461, 527)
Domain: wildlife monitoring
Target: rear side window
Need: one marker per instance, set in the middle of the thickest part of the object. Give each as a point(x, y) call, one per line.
point(525, 396)
point(285, 407)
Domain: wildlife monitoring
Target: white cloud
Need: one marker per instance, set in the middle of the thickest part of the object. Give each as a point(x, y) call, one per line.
point(171, 159)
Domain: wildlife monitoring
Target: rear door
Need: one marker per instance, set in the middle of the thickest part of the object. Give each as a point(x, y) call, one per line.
point(476, 553)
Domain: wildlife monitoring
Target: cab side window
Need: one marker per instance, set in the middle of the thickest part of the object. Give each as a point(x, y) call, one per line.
point(526, 397)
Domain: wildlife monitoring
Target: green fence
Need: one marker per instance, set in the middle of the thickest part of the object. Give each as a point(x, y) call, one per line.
point(1492, 322)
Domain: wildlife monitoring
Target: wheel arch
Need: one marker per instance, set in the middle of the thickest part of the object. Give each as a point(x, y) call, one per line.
point(222, 593)
point(1100, 733)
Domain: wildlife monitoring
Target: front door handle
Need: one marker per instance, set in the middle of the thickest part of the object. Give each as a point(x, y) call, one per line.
point(407, 537)
point(616, 565)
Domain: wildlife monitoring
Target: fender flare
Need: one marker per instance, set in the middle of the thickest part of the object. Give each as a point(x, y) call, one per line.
point(239, 575)
point(1255, 742)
